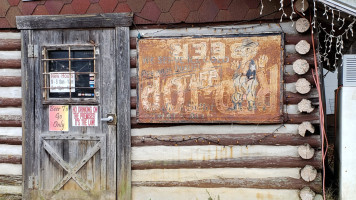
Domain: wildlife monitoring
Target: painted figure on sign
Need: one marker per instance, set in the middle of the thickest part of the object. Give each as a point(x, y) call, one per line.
point(246, 79)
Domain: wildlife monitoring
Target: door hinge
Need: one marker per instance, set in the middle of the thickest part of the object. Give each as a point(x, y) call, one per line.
point(33, 182)
point(32, 51)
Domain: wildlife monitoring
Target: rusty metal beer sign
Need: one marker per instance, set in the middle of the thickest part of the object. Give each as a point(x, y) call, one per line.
point(210, 79)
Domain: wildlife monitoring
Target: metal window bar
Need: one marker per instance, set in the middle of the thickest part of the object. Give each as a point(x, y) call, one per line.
point(45, 73)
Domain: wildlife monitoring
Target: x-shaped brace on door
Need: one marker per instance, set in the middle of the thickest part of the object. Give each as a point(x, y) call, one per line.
point(72, 170)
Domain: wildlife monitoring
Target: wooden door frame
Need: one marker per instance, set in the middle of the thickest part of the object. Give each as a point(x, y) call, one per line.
point(120, 22)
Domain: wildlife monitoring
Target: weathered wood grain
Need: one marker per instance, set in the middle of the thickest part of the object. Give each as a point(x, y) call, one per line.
point(268, 183)
point(123, 112)
point(10, 179)
point(13, 159)
point(217, 129)
point(10, 102)
point(211, 152)
point(104, 20)
point(14, 140)
point(28, 133)
point(11, 196)
point(10, 123)
point(249, 162)
point(10, 81)
point(193, 174)
point(10, 44)
point(184, 193)
point(7, 63)
point(290, 58)
point(10, 169)
point(226, 140)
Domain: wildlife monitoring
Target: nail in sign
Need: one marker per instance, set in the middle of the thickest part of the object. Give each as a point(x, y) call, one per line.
point(84, 115)
point(58, 117)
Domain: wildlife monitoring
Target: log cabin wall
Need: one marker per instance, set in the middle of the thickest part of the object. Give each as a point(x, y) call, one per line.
point(10, 116)
point(248, 162)
point(226, 161)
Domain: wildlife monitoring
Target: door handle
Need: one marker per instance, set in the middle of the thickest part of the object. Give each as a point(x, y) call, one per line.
point(110, 119)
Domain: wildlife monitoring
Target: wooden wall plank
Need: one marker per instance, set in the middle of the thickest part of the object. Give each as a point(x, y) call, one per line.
point(12, 159)
point(10, 179)
point(189, 174)
point(123, 114)
point(226, 139)
point(187, 193)
point(10, 72)
point(10, 81)
point(28, 133)
point(103, 20)
point(5, 189)
point(14, 140)
point(10, 44)
point(217, 129)
point(248, 162)
point(13, 102)
point(10, 92)
point(208, 152)
point(10, 169)
point(268, 183)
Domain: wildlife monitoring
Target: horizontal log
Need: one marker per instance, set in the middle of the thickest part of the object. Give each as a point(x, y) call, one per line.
point(10, 123)
point(13, 140)
point(184, 193)
point(133, 42)
point(295, 38)
point(10, 44)
point(11, 196)
point(299, 118)
point(10, 81)
point(295, 98)
point(288, 119)
point(249, 162)
point(294, 78)
point(268, 183)
point(217, 129)
point(211, 152)
point(11, 63)
point(192, 174)
point(10, 102)
point(226, 140)
point(290, 58)
point(5, 190)
point(12, 159)
point(10, 179)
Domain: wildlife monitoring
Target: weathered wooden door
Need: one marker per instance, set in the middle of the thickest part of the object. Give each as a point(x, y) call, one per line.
point(75, 89)
point(76, 106)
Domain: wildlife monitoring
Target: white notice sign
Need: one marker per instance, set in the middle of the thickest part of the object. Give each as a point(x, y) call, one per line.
point(84, 115)
point(60, 82)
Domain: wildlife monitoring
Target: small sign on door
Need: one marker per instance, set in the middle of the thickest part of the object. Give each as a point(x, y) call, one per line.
point(60, 82)
point(58, 117)
point(84, 115)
